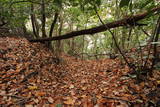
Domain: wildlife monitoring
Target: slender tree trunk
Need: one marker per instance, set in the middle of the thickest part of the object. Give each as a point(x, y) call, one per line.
point(83, 40)
point(129, 37)
point(59, 42)
point(33, 21)
point(60, 31)
point(155, 51)
point(95, 47)
point(72, 47)
point(53, 24)
point(123, 39)
point(70, 41)
point(24, 28)
point(43, 20)
point(52, 29)
point(36, 26)
point(117, 15)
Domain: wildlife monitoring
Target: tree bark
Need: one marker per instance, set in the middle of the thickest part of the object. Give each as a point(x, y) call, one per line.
point(155, 51)
point(128, 21)
point(59, 42)
point(53, 24)
point(33, 20)
point(43, 18)
point(52, 28)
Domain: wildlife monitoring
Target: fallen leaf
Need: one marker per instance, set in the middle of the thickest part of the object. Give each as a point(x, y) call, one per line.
point(69, 101)
point(50, 100)
point(32, 87)
point(71, 86)
point(158, 82)
point(29, 105)
point(40, 93)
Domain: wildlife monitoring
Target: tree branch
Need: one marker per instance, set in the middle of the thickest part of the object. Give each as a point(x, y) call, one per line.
point(132, 20)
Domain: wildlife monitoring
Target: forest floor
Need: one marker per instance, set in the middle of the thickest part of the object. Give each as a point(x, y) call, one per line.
point(31, 76)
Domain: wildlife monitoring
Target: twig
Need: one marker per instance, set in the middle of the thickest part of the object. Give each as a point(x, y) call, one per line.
point(112, 98)
point(114, 38)
point(145, 32)
point(32, 74)
point(21, 101)
point(15, 96)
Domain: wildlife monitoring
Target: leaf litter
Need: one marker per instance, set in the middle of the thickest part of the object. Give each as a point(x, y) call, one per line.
point(30, 77)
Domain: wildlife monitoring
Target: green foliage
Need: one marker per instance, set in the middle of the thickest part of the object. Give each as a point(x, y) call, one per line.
point(146, 3)
point(57, 4)
point(124, 3)
point(80, 14)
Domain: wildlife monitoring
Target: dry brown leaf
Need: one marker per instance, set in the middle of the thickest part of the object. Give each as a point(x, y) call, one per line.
point(50, 100)
point(40, 93)
point(69, 101)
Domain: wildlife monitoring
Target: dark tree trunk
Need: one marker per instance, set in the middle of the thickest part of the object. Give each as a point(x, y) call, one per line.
point(155, 53)
point(43, 20)
point(52, 28)
point(53, 24)
point(59, 42)
point(33, 21)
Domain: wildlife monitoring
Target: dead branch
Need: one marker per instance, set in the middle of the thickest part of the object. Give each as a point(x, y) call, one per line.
point(111, 98)
point(15, 96)
point(32, 74)
point(128, 21)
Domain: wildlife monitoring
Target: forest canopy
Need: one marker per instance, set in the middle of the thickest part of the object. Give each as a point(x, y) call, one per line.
point(47, 20)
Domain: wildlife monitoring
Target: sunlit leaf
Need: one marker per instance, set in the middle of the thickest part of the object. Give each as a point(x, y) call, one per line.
point(69, 100)
point(32, 87)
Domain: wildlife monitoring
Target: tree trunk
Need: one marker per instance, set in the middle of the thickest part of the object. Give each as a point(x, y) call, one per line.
point(155, 51)
point(52, 29)
point(59, 42)
point(33, 20)
point(43, 20)
point(123, 39)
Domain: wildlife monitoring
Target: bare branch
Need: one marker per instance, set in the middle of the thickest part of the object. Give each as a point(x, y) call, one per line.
point(123, 22)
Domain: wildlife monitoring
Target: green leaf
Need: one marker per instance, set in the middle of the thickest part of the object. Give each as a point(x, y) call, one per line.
point(124, 3)
point(144, 4)
point(98, 2)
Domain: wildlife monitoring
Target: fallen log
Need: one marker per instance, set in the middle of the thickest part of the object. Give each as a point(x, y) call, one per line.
point(128, 21)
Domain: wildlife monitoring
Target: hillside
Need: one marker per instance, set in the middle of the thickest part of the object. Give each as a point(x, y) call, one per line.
point(31, 75)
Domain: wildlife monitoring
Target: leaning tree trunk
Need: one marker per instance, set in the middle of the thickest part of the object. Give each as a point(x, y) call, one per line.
point(52, 29)
point(155, 51)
